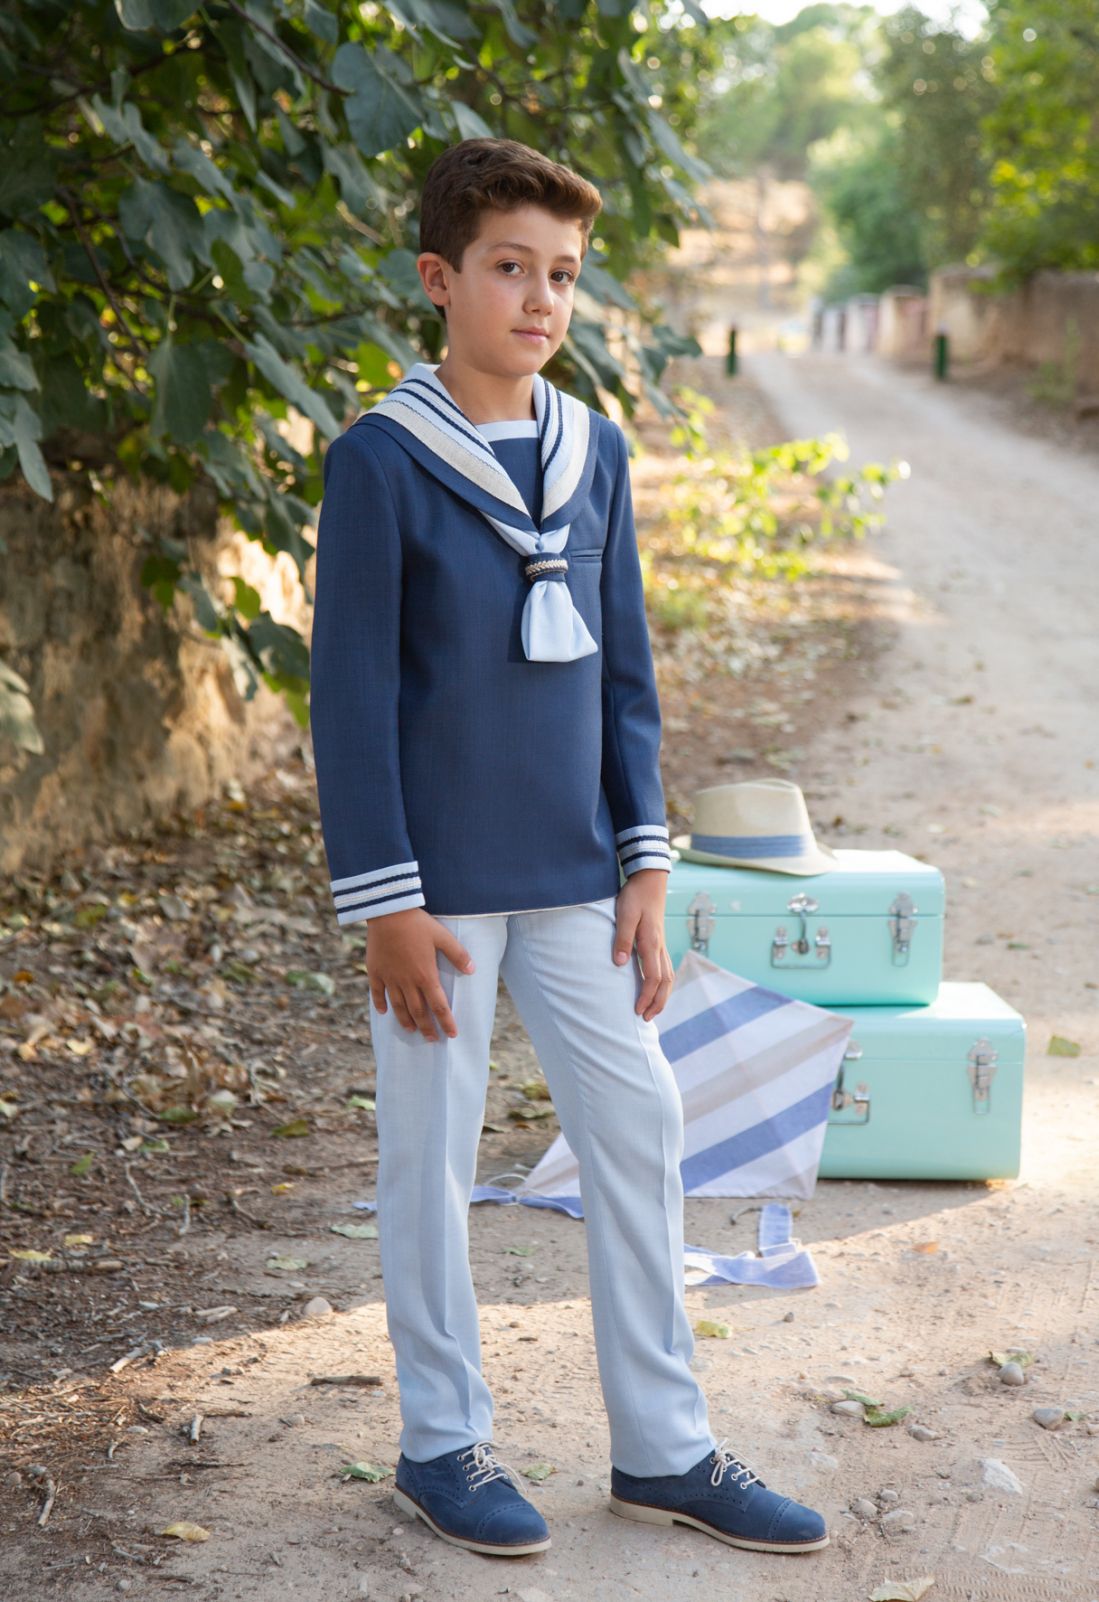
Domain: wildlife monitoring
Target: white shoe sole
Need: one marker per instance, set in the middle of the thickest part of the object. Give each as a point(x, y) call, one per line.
point(414, 1510)
point(662, 1515)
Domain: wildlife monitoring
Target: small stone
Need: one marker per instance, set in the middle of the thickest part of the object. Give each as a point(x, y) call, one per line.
point(824, 1460)
point(888, 1497)
point(293, 1420)
point(317, 1307)
point(998, 1477)
point(1012, 1374)
point(124, 1584)
point(787, 1318)
point(848, 1409)
point(898, 1521)
point(1049, 1417)
point(921, 1432)
point(863, 1508)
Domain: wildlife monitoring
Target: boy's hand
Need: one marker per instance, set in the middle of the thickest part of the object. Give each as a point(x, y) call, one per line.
point(401, 958)
point(640, 912)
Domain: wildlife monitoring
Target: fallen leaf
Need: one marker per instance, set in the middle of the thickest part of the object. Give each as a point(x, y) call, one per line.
point(710, 1326)
point(282, 1187)
point(186, 1532)
point(356, 1231)
point(1060, 1047)
point(535, 1090)
point(8, 1109)
point(878, 1418)
point(903, 1590)
point(79, 1240)
point(926, 1246)
point(296, 1126)
point(861, 1396)
point(540, 1471)
point(365, 1102)
point(31, 1256)
point(1024, 1359)
point(286, 1265)
point(178, 1115)
point(519, 1251)
point(364, 1471)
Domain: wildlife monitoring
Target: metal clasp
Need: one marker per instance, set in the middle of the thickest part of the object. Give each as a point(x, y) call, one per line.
point(821, 947)
point(902, 926)
point(982, 1070)
point(859, 1098)
point(700, 922)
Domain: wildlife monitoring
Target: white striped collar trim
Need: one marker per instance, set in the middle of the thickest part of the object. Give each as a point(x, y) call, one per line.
point(422, 404)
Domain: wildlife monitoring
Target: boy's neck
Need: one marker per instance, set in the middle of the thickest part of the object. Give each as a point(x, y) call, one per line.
point(486, 398)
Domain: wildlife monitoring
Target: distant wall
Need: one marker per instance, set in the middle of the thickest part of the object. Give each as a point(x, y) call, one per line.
point(138, 710)
point(903, 322)
point(1053, 317)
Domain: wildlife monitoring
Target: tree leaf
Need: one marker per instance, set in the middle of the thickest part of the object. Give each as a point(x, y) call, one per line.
point(290, 383)
point(184, 1531)
point(903, 1590)
point(296, 1126)
point(183, 396)
point(878, 1418)
point(356, 1231)
point(712, 1327)
point(540, 1471)
point(380, 115)
point(365, 1471)
point(1059, 1046)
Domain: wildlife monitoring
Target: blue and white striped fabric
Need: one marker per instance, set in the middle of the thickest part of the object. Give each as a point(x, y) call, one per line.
point(755, 1070)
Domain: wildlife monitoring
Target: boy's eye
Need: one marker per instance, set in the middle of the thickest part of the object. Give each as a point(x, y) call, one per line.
point(569, 276)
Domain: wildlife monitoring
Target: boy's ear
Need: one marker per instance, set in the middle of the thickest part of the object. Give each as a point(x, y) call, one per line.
point(432, 269)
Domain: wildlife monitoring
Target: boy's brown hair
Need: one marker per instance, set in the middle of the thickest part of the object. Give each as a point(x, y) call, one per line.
point(479, 175)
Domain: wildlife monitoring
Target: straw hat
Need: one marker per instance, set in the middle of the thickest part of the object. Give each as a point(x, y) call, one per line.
point(758, 823)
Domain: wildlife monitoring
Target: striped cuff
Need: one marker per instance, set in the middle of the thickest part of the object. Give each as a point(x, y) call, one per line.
point(645, 846)
point(368, 895)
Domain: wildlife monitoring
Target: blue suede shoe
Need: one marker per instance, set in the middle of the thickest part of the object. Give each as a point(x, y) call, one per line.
point(722, 1496)
point(471, 1500)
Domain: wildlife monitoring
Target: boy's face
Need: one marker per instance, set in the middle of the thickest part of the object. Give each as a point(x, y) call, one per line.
point(517, 274)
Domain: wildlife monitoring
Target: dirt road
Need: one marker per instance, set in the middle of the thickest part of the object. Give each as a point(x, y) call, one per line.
point(972, 742)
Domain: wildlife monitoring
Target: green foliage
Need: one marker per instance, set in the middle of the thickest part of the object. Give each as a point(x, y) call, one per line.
point(1043, 136)
point(207, 228)
point(731, 513)
point(878, 229)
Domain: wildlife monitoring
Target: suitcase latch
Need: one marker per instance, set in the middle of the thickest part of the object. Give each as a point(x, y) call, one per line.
point(859, 1098)
point(700, 922)
point(902, 926)
point(982, 1070)
point(820, 945)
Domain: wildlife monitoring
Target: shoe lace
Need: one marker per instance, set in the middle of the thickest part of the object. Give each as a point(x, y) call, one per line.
point(723, 1461)
point(485, 1466)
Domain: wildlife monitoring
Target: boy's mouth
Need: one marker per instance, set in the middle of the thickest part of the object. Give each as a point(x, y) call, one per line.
point(531, 333)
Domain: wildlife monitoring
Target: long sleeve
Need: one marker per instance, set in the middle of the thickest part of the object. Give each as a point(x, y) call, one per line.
point(631, 707)
point(354, 681)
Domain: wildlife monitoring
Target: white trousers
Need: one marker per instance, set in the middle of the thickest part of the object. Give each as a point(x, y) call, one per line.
point(621, 1113)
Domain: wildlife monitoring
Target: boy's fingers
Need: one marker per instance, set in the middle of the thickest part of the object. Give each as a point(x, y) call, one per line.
point(404, 1017)
point(452, 947)
point(625, 930)
point(441, 1008)
point(421, 1012)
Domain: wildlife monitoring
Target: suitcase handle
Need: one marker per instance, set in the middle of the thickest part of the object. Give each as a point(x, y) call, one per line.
point(859, 1098)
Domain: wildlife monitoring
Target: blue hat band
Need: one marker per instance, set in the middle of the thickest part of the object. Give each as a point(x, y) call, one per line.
point(753, 845)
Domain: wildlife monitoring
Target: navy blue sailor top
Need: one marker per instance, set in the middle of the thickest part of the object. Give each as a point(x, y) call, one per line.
point(452, 772)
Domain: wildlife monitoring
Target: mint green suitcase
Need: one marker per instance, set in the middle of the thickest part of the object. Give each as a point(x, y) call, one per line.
point(868, 933)
point(933, 1092)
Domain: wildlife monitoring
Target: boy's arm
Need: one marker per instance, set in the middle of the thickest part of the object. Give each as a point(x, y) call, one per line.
point(354, 682)
point(631, 708)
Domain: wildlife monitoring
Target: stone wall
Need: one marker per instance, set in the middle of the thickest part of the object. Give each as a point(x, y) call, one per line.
point(138, 710)
point(1053, 318)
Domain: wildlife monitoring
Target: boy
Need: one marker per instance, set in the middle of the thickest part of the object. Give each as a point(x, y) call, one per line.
point(486, 733)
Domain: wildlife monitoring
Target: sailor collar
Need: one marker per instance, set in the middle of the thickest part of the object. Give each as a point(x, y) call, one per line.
point(422, 415)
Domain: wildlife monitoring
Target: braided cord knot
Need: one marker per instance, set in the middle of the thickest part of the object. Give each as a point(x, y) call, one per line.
point(546, 567)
